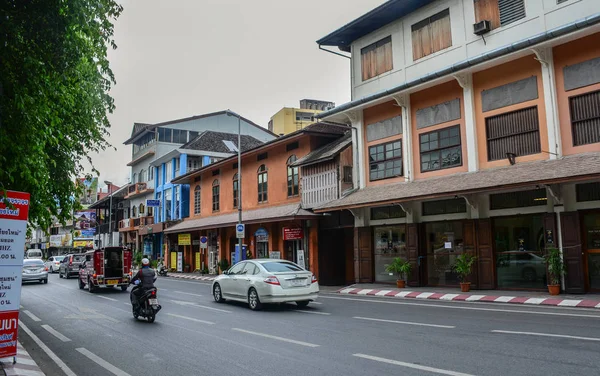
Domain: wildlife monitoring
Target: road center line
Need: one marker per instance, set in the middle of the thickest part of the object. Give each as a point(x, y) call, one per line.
point(102, 363)
point(186, 293)
point(547, 335)
point(55, 333)
point(276, 338)
point(411, 365)
point(456, 306)
point(32, 316)
point(107, 298)
point(313, 312)
point(191, 319)
point(47, 350)
point(405, 322)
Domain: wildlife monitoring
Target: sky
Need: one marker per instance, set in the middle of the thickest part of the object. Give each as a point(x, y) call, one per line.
point(180, 58)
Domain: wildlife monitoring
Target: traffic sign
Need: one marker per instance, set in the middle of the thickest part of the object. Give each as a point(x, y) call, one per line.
point(240, 231)
point(203, 242)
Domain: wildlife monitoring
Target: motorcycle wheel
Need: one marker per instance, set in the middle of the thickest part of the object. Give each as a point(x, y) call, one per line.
point(151, 318)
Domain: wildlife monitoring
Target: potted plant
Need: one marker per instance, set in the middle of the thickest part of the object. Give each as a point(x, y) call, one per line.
point(401, 268)
point(463, 268)
point(556, 269)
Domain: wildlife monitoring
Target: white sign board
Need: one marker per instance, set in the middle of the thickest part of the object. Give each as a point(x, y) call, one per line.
point(275, 255)
point(179, 261)
point(240, 231)
point(301, 262)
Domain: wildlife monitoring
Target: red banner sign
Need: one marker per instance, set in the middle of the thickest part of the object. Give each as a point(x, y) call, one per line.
point(8, 333)
point(19, 206)
point(295, 233)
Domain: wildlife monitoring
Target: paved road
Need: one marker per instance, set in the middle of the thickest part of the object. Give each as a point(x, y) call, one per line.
point(95, 334)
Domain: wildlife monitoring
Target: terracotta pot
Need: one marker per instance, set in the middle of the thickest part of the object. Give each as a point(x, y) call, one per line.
point(400, 283)
point(554, 289)
point(465, 286)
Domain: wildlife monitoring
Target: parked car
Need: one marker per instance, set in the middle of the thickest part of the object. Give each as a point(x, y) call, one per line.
point(106, 267)
point(34, 270)
point(69, 266)
point(262, 281)
point(521, 265)
point(53, 263)
point(34, 254)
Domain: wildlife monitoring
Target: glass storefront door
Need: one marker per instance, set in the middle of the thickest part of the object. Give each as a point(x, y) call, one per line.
point(444, 243)
point(390, 242)
point(591, 233)
point(519, 246)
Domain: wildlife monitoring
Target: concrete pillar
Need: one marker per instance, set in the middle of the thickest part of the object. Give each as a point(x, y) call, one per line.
point(546, 58)
point(465, 80)
point(358, 147)
point(403, 100)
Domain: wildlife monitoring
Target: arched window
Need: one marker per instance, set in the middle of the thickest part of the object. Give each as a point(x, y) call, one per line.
point(134, 178)
point(142, 209)
point(215, 195)
point(236, 188)
point(197, 198)
point(134, 211)
point(262, 184)
point(292, 177)
point(142, 176)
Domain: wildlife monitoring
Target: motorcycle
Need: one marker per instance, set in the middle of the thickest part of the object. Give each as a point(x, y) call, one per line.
point(147, 305)
point(162, 270)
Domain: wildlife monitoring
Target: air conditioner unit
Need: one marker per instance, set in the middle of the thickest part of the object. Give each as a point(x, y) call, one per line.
point(482, 27)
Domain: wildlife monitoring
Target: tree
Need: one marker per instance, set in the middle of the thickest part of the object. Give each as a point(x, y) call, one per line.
point(54, 101)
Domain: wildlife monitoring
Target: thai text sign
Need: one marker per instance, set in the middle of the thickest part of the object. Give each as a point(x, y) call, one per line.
point(293, 233)
point(184, 239)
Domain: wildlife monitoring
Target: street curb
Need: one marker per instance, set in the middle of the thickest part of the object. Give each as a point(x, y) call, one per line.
point(25, 365)
point(192, 277)
point(523, 300)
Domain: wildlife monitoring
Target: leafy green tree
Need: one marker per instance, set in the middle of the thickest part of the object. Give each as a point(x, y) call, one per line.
point(54, 84)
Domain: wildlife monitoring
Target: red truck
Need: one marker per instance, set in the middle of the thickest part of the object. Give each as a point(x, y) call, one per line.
point(106, 267)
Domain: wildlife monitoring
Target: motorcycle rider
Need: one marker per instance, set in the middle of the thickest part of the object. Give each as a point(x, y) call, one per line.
point(146, 276)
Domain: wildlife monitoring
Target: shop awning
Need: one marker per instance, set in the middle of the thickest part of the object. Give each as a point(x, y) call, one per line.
point(263, 215)
point(567, 169)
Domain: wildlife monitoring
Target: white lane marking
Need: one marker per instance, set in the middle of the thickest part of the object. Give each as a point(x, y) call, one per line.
point(313, 312)
point(547, 335)
point(424, 295)
point(383, 292)
point(107, 298)
point(474, 298)
point(448, 296)
point(190, 304)
point(127, 303)
point(102, 363)
point(191, 319)
point(32, 316)
point(317, 303)
point(504, 299)
point(535, 301)
point(462, 307)
point(49, 352)
point(186, 293)
point(569, 303)
point(364, 291)
point(55, 333)
point(276, 338)
point(411, 365)
point(405, 322)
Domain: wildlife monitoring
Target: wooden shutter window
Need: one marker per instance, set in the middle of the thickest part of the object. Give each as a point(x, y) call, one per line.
point(487, 10)
point(511, 11)
point(515, 132)
point(585, 118)
point(376, 58)
point(431, 35)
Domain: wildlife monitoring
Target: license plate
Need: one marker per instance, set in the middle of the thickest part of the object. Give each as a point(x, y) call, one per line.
point(112, 282)
point(153, 301)
point(298, 282)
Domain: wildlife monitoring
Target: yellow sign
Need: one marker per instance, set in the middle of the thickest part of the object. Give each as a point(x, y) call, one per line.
point(173, 260)
point(197, 260)
point(184, 239)
point(83, 243)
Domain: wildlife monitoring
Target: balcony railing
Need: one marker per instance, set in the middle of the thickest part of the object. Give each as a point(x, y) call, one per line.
point(125, 223)
point(137, 189)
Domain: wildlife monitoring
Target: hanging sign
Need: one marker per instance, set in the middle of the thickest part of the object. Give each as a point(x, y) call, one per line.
point(184, 239)
point(293, 233)
point(262, 236)
point(179, 261)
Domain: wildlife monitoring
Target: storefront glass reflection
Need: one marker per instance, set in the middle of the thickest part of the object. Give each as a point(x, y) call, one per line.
point(390, 242)
point(591, 223)
point(444, 244)
point(519, 245)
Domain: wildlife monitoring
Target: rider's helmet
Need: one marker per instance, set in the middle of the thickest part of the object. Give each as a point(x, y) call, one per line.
point(145, 262)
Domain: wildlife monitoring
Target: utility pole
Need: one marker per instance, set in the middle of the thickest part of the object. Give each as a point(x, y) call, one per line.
point(109, 183)
point(239, 147)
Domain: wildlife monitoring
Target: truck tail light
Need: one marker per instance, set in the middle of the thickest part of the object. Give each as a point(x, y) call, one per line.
point(272, 280)
point(46, 269)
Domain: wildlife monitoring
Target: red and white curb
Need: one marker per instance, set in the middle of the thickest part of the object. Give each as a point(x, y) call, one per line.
point(583, 303)
point(25, 365)
point(194, 277)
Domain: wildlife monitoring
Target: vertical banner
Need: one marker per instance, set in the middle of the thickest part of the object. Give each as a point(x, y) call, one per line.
point(300, 260)
point(179, 261)
point(13, 228)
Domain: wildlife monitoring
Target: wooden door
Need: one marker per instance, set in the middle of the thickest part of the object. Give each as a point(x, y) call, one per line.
point(412, 247)
point(572, 253)
point(363, 255)
point(469, 246)
point(485, 253)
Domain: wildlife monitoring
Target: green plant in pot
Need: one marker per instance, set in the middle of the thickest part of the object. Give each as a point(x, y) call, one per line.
point(463, 268)
point(556, 269)
point(401, 269)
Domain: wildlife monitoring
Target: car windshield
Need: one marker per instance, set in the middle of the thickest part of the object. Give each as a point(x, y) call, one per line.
point(58, 258)
point(281, 266)
point(78, 258)
point(33, 263)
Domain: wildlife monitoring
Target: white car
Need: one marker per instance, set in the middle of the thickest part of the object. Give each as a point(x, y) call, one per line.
point(53, 263)
point(263, 281)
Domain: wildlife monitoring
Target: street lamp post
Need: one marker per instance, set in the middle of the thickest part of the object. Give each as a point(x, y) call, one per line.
point(239, 147)
point(109, 184)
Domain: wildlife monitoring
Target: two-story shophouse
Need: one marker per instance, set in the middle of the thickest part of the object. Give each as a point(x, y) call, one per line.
point(276, 224)
point(156, 159)
point(477, 130)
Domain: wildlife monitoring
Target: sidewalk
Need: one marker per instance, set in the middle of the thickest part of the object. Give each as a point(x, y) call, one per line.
point(25, 366)
point(194, 276)
point(488, 296)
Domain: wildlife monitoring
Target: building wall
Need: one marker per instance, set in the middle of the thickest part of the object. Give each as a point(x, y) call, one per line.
point(284, 121)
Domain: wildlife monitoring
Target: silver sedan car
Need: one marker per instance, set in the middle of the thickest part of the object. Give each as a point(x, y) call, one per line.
point(34, 270)
point(53, 263)
point(264, 281)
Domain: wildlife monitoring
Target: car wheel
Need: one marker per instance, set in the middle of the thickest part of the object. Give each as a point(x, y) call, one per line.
point(67, 275)
point(124, 288)
point(302, 303)
point(529, 275)
point(59, 274)
point(217, 294)
point(81, 284)
point(45, 280)
point(253, 300)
